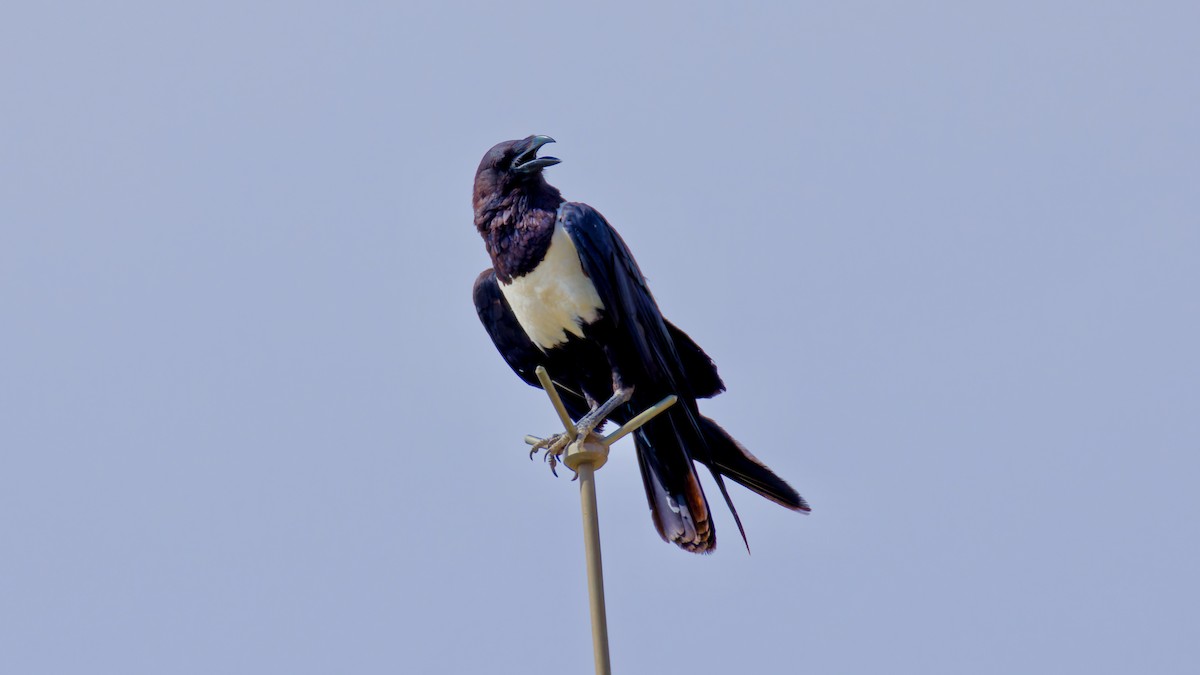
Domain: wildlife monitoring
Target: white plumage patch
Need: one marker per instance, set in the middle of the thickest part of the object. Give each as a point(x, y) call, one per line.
point(556, 298)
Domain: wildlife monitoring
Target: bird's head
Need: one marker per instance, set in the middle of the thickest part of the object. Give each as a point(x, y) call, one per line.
point(512, 165)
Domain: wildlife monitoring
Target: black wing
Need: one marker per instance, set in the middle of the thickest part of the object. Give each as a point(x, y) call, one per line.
point(701, 371)
point(664, 352)
point(501, 324)
point(672, 364)
point(513, 343)
point(656, 362)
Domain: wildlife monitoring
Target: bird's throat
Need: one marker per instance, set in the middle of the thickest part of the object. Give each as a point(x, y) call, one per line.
point(517, 240)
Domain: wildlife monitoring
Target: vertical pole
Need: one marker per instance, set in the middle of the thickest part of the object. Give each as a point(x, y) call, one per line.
point(584, 456)
point(595, 568)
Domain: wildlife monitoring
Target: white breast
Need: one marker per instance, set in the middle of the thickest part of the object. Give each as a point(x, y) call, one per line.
point(556, 298)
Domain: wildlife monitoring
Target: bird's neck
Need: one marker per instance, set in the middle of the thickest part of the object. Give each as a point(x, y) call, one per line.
point(516, 228)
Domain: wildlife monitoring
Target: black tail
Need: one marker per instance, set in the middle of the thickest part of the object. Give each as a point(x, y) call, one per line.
point(677, 503)
point(730, 459)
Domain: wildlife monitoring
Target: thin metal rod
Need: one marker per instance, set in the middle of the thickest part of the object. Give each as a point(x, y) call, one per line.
point(548, 385)
point(595, 568)
point(645, 416)
point(584, 456)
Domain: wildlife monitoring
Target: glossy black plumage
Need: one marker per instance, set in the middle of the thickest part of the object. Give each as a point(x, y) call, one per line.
point(628, 342)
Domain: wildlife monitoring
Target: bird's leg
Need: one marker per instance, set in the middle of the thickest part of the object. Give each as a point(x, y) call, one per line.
point(596, 417)
point(556, 444)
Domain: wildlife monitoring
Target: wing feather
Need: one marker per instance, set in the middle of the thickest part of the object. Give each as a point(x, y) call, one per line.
point(651, 349)
point(513, 343)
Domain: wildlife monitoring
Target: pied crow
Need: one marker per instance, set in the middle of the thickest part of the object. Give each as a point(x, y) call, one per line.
point(564, 292)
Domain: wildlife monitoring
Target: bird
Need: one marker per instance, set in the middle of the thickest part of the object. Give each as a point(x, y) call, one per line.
point(564, 292)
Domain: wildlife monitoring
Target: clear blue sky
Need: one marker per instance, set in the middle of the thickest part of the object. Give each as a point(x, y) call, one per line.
point(946, 255)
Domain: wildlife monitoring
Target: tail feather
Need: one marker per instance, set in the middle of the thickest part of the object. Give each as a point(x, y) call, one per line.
point(677, 502)
point(666, 447)
point(730, 459)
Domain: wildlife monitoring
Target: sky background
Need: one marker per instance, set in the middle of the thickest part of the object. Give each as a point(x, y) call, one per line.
point(946, 256)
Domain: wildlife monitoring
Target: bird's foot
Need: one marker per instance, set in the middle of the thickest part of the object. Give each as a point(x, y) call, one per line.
point(554, 447)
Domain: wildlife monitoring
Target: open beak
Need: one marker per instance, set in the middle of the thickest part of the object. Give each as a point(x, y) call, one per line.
point(528, 161)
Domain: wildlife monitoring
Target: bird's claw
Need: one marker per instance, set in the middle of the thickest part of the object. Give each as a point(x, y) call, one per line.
point(554, 447)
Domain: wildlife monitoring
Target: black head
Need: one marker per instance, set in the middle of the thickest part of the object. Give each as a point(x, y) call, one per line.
point(511, 164)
